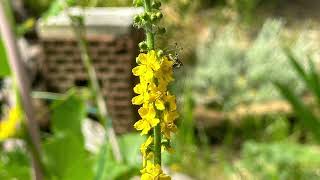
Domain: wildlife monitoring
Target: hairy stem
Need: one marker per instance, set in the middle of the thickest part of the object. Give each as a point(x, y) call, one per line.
point(157, 129)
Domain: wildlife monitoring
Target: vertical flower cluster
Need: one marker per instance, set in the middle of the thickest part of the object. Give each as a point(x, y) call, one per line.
point(158, 106)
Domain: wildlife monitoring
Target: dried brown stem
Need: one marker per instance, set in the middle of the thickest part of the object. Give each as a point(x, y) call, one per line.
point(23, 84)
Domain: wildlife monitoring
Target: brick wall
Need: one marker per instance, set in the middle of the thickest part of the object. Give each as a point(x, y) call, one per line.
point(113, 58)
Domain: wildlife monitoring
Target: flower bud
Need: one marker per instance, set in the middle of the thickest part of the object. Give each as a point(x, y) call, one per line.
point(153, 17)
point(159, 15)
point(156, 5)
point(143, 46)
point(145, 16)
point(137, 60)
point(137, 19)
point(160, 53)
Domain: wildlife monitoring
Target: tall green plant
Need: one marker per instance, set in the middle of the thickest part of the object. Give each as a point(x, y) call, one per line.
point(306, 114)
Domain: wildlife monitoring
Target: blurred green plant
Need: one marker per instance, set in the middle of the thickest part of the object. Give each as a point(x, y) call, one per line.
point(229, 73)
point(14, 164)
point(307, 114)
point(190, 147)
point(77, 163)
point(65, 155)
point(246, 8)
point(278, 161)
point(4, 67)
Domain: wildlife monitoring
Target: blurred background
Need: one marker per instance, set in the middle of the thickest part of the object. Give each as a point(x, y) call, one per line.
point(248, 91)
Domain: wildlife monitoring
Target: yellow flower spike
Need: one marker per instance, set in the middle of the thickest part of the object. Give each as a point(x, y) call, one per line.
point(9, 126)
point(158, 111)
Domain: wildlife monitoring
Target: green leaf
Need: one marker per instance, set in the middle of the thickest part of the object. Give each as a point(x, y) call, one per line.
point(308, 119)
point(310, 79)
point(68, 114)
point(314, 80)
point(67, 159)
point(4, 67)
point(65, 153)
point(297, 67)
point(130, 148)
point(15, 165)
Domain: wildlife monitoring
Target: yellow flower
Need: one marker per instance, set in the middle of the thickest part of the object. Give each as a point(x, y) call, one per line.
point(142, 90)
point(153, 172)
point(148, 121)
point(167, 125)
point(158, 106)
point(145, 146)
point(171, 100)
point(8, 126)
point(155, 95)
point(165, 72)
point(148, 63)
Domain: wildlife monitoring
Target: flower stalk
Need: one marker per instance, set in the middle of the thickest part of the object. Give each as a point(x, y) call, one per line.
point(158, 106)
point(156, 130)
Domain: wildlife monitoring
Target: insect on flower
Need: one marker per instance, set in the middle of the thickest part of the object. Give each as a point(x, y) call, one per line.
point(174, 58)
point(176, 61)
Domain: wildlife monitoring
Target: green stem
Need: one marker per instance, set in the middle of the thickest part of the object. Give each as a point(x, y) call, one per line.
point(149, 34)
point(157, 129)
point(157, 144)
point(79, 30)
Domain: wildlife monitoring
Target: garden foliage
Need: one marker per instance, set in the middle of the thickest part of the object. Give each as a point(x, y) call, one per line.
point(229, 73)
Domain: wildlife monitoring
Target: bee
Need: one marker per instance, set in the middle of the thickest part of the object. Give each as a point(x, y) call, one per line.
point(176, 61)
point(175, 57)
